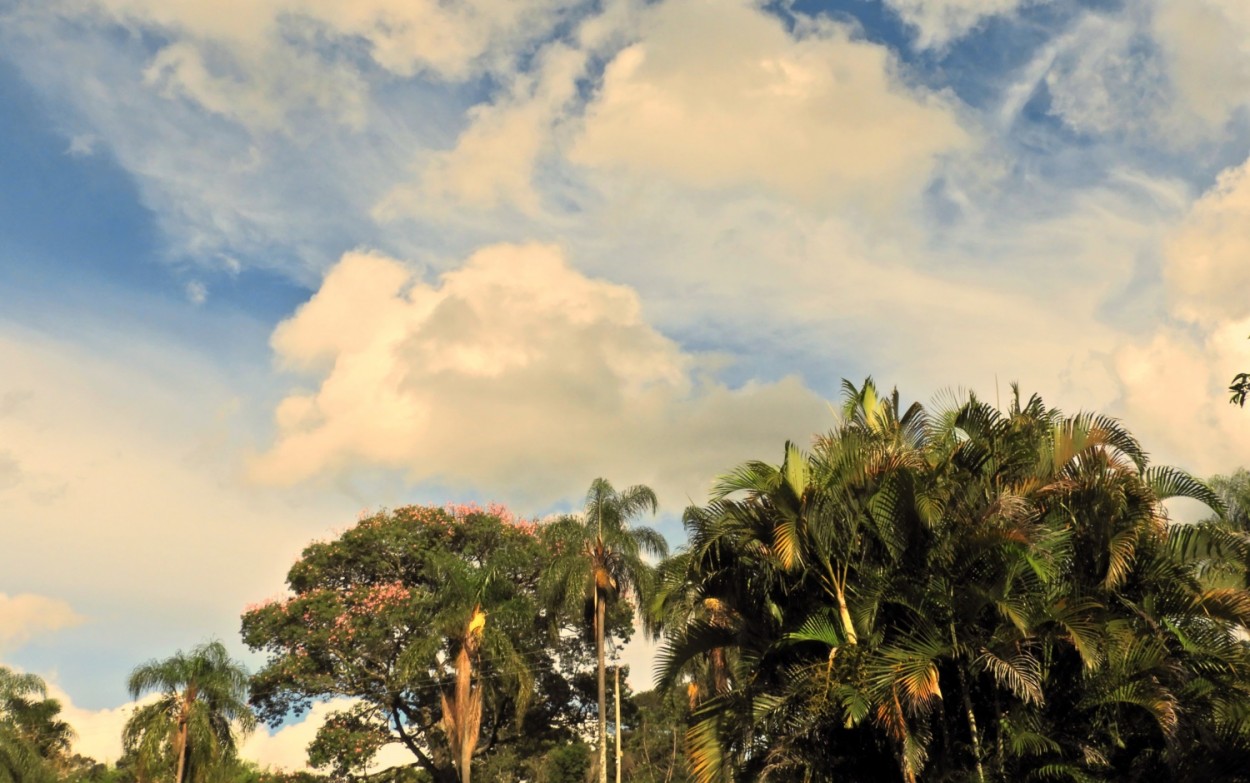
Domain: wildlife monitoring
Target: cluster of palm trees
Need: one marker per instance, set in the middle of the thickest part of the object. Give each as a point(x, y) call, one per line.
point(960, 594)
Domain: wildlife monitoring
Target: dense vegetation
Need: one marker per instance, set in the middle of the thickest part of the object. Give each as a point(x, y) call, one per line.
point(960, 594)
point(945, 594)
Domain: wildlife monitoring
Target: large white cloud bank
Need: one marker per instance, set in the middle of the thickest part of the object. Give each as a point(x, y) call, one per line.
point(514, 372)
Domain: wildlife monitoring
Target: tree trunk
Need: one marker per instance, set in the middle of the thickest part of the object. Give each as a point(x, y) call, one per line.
point(184, 718)
point(964, 686)
point(600, 618)
point(462, 712)
point(182, 751)
point(848, 627)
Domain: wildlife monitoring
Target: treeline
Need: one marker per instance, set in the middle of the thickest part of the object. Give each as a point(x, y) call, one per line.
point(954, 593)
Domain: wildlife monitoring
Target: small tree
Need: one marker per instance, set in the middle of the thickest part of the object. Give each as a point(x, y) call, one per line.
point(191, 728)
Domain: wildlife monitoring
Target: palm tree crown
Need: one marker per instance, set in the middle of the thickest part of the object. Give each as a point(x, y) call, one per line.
point(191, 726)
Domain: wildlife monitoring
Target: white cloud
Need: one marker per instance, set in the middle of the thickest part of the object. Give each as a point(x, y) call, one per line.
point(131, 508)
point(493, 161)
point(26, 615)
point(515, 373)
point(938, 22)
point(451, 40)
point(98, 733)
point(10, 471)
point(287, 747)
point(1175, 381)
point(1174, 71)
point(197, 292)
point(272, 153)
point(1205, 41)
point(1105, 77)
point(258, 89)
point(1207, 266)
point(816, 115)
point(1176, 396)
point(82, 145)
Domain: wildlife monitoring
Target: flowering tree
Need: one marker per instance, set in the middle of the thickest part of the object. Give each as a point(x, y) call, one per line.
point(427, 617)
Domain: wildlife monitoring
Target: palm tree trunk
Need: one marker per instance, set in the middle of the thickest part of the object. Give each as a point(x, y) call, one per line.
point(184, 717)
point(182, 752)
point(972, 716)
point(848, 627)
point(600, 617)
point(462, 714)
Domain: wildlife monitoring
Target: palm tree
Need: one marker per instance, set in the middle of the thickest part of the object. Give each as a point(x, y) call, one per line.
point(21, 759)
point(191, 726)
point(478, 606)
point(598, 559)
point(965, 595)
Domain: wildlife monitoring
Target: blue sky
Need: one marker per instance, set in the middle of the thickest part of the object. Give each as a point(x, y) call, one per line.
point(265, 263)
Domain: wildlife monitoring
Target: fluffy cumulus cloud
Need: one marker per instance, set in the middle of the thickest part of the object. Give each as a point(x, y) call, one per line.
point(97, 733)
point(814, 114)
point(1175, 380)
point(938, 22)
point(1208, 257)
point(493, 163)
point(26, 615)
point(514, 372)
point(1176, 391)
point(287, 747)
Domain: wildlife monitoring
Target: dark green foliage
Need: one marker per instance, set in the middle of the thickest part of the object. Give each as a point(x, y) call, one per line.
point(379, 614)
point(189, 733)
point(1239, 389)
point(959, 594)
point(566, 764)
point(653, 739)
point(34, 741)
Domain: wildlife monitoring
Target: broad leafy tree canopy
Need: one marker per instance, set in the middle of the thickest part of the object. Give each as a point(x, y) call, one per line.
point(378, 614)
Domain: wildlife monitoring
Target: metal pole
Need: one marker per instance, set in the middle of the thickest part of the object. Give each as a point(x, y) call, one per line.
point(618, 723)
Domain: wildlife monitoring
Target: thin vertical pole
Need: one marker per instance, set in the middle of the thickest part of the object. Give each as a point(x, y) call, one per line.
point(618, 723)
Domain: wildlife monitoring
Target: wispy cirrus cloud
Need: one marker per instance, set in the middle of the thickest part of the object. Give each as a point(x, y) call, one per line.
point(936, 23)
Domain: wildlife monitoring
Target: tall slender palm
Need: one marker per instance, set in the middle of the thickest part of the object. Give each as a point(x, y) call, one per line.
point(192, 725)
point(598, 559)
